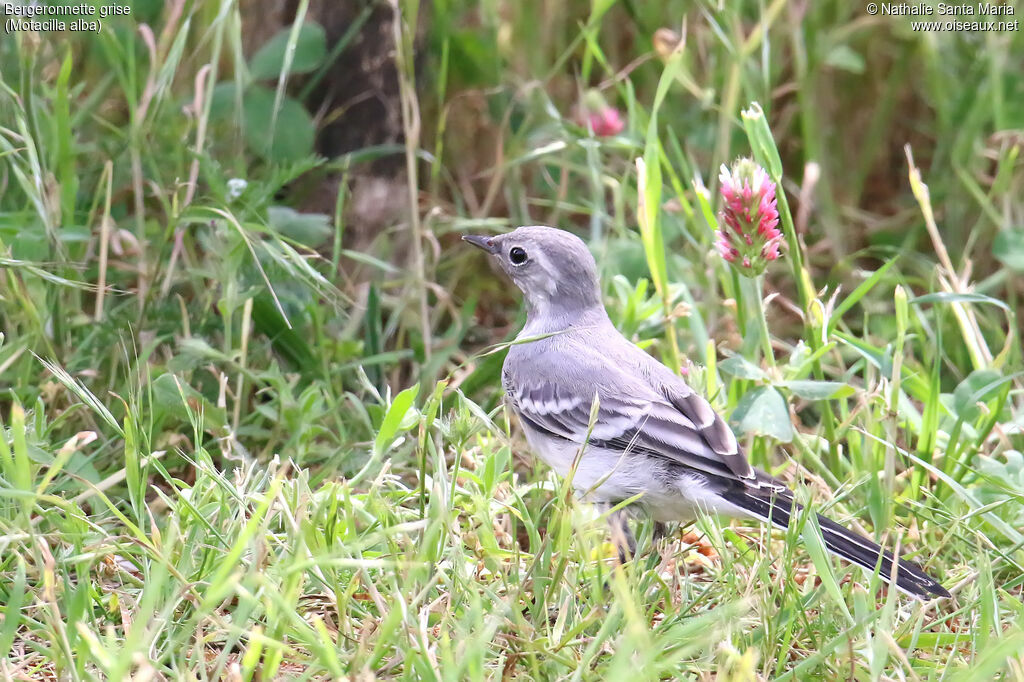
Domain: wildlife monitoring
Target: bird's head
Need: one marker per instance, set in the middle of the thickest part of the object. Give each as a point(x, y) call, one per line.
point(553, 268)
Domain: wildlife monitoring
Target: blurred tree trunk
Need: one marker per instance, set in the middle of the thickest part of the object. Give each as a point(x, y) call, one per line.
point(357, 104)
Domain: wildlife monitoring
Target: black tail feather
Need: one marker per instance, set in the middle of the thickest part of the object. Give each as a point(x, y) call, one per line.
point(859, 550)
point(776, 507)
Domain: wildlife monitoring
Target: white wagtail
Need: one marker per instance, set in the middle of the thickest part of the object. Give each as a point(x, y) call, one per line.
point(652, 435)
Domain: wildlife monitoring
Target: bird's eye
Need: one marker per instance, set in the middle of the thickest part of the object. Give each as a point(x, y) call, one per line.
point(517, 255)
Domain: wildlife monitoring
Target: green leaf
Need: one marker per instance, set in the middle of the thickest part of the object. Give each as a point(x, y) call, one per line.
point(801, 352)
point(290, 138)
point(1002, 484)
point(395, 418)
point(173, 397)
point(846, 58)
point(474, 58)
point(759, 134)
point(222, 100)
point(1011, 472)
point(11, 609)
point(1008, 247)
point(1011, 533)
point(649, 191)
point(310, 50)
point(290, 342)
point(763, 412)
point(309, 229)
point(814, 542)
point(979, 386)
point(862, 289)
point(912, 381)
point(949, 297)
point(741, 368)
point(820, 390)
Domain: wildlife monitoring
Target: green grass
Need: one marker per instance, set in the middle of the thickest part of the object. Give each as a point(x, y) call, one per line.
point(234, 446)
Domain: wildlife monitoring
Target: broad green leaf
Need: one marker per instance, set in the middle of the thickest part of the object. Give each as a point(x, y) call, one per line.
point(967, 496)
point(310, 50)
point(474, 58)
point(395, 418)
point(1008, 247)
point(292, 135)
point(1002, 485)
point(291, 343)
point(741, 368)
point(977, 387)
point(912, 382)
point(820, 390)
point(846, 58)
point(222, 100)
point(763, 412)
point(309, 229)
point(174, 397)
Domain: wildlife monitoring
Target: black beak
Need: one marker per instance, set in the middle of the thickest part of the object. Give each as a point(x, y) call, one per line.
point(486, 243)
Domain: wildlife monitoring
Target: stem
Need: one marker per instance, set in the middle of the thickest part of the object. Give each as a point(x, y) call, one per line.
point(411, 125)
point(766, 341)
point(737, 296)
point(812, 331)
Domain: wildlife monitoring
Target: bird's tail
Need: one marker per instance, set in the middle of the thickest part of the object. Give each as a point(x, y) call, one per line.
point(777, 509)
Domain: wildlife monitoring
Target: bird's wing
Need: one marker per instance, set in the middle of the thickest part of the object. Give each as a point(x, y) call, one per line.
point(631, 416)
point(711, 426)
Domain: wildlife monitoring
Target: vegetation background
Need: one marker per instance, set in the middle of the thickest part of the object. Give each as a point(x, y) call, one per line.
point(249, 376)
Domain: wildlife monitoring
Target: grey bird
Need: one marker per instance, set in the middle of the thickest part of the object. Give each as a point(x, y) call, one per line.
point(652, 434)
